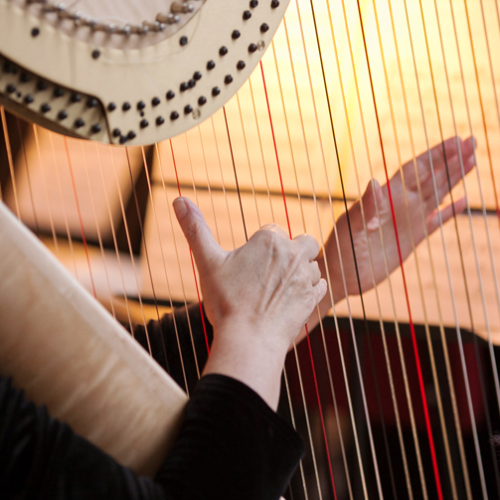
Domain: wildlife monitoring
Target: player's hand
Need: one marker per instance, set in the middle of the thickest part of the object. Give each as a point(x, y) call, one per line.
point(413, 220)
point(256, 297)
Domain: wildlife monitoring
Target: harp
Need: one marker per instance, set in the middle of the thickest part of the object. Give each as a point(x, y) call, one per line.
point(397, 392)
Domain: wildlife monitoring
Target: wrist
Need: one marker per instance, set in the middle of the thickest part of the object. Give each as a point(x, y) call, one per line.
point(252, 359)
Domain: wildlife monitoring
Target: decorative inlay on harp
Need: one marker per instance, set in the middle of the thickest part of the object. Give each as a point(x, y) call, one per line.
point(347, 89)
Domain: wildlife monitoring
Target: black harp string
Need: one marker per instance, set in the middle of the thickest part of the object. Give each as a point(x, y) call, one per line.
point(431, 260)
point(285, 375)
point(311, 441)
point(322, 244)
point(459, 338)
point(462, 263)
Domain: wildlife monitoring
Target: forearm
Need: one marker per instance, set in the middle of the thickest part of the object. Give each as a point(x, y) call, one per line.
point(258, 364)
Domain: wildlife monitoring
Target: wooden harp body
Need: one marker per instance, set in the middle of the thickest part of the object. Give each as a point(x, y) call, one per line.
point(397, 392)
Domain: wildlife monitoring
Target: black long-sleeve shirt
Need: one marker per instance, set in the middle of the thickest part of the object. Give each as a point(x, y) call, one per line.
point(231, 444)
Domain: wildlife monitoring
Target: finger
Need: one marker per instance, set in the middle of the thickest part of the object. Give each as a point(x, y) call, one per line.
point(196, 231)
point(320, 291)
point(446, 214)
point(446, 150)
point(314, 272)
point(308, 244)
point(435, 158)
point(275, 228)
point(372, 198)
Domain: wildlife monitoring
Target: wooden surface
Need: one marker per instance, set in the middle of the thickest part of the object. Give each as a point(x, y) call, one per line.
point(68, 353)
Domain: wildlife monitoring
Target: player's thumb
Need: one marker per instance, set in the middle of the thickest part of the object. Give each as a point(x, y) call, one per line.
point(198, 235)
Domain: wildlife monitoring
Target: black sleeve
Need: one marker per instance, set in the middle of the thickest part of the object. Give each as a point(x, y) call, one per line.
point(179, 343)
point(231, 445)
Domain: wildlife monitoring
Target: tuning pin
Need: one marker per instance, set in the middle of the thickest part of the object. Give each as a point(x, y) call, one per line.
point(184, 8)
point(124, 30)
point(168, 18)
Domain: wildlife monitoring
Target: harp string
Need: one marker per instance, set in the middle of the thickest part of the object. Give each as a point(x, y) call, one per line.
point(222, 179)
point(305, 326)
point(483, 208)
point(427, 331)
point(386, 353)
point(459, 338)
point(44, 182)
point(412, 329)
point(330, 379)
point(10, 159)
point(28, 176)
point(431, 261)
point(130, 248)
point(299, 373)
point(285, 375)
point(476, 346)
point(162, 175)
point(261, 149)
point(99, 238)
point(242, 122)
point(209, 184)
point(321, 239)
point(321, 59)
point(65, 216)
point(483, 116)
point(327, 183)
point(367, 331)
point(141, 228)
point(150, 192)
point(235, 174)
point(113, 234)
point(79, 217)
point(192, 260)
